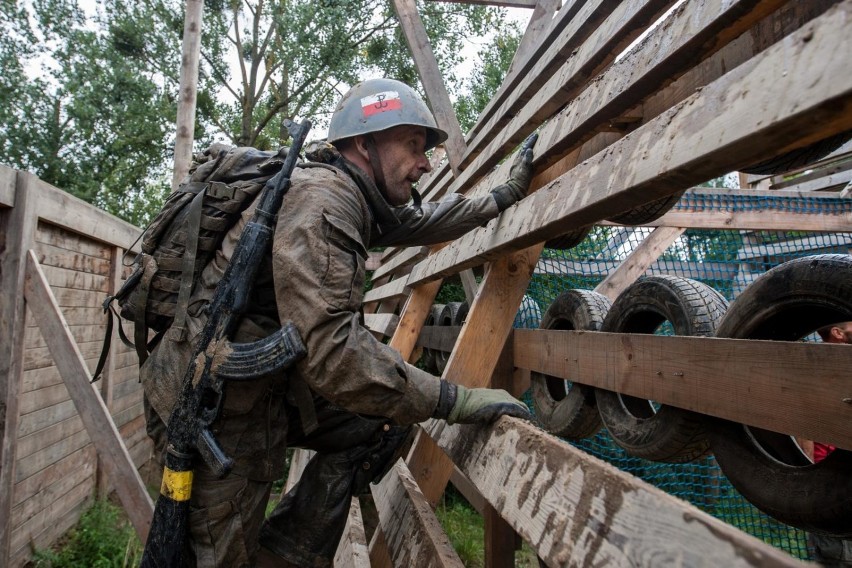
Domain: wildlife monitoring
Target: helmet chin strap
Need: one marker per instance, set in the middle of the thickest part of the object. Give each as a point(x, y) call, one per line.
point(376, 163)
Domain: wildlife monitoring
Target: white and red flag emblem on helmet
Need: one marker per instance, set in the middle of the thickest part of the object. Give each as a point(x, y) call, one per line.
point(380, 102)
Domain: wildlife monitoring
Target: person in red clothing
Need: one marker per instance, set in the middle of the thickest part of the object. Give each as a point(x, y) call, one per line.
point(829, 550)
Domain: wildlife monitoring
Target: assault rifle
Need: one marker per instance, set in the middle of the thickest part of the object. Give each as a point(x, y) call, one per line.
point(216, 360)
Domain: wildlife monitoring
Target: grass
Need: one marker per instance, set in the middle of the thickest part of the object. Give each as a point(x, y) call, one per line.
point(466, 529)
point(103, 538)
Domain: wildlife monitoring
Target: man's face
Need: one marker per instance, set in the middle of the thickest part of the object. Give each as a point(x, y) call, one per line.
point(402, 152)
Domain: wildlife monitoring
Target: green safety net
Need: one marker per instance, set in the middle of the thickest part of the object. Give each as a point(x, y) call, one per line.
point(725, 260)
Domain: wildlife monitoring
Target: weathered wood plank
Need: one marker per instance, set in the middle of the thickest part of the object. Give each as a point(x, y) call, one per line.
point(50, 255)
point(412, 531)
point(791, 387)
point(35, 421)
point(352, 551)
point(503, 3)
point(41, 357)
point(820, 242)
point(64, 278)
point(42, 526)
point(63, 209)
point(638, 261)
point(384, 324)
point(694, 141)
point(430, 77)
point(18, 227)
point(7, 186)
point(131, 489)
point(576, 510)
point(28, 445)
point(49, 535)
point(74, 243)
point(47, 455)
point(393, 289)
point(401, 261)
point(81, 459)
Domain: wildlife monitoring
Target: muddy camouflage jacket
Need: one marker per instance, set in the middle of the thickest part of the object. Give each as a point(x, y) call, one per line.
point(315, 278)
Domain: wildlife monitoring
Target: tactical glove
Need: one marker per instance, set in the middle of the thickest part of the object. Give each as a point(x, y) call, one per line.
point(520, 176)
point(461, 405)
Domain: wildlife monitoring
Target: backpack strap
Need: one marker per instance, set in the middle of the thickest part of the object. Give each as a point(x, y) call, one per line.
point(177, 331)
point(140, 329)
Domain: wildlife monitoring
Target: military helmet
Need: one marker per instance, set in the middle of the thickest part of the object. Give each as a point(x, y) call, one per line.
point(379, 104)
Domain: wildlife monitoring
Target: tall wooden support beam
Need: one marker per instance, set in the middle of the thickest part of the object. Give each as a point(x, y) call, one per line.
point(576, 510)
point(108, 378)
point(17, 236)
point(91, 408)
point(540, 20)
point(430, 76)
point(638, 261)
point(352, 551)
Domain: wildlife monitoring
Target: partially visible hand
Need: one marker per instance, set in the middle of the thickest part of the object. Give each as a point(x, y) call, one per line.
point(520, 176)
point(483, 406)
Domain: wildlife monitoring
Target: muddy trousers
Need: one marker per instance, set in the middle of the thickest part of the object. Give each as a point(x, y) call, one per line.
point(227, 515)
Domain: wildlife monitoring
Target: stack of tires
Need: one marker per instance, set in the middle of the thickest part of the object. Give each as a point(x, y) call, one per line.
point(787, 303)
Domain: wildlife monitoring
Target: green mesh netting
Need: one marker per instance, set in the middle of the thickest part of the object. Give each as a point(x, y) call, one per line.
point(725, 260)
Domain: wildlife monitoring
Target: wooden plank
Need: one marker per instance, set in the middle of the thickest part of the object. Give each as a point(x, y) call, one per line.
point(576, 510)
point(401, 261)
point(64, 278)
point(18, 228)
point(45, 417)
point(72, 242)
point(502, 3)
point(130, 488)
point(41, 357)
point(384, 324)
point(63, 209)
point(298, 463)
point(430, 77)
point(790, 387)
point(806, 244)
point(824, 183)
point(638, 261)
point(47, 455)
point(51, 255)
point(477, 351)
point(28, 445)
point(591, 50)
point(811, 174)
point(694, 141)
point(755, 219)
point(81, 459)
point(412, 531)
point(7, 186)
point(393, 289)
point(689, 34)
point(439, 337)
point(43, 523)
point(352, 551)
point(49, 535)
point(540, 20)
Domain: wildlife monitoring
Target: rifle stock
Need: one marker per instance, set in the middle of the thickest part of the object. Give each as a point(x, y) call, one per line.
point(216, 360)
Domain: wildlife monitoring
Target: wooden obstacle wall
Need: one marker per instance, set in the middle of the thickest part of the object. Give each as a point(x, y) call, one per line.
point(714, 87)
point(49, 466)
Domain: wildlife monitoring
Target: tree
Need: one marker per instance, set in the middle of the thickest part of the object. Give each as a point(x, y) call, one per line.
point(99, 122)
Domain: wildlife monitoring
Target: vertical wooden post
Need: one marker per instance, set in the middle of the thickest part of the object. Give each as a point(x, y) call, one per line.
point(188, 88)
point(18, 231)
point(108, 377)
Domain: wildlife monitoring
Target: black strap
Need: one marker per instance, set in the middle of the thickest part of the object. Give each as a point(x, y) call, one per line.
point(177, 331)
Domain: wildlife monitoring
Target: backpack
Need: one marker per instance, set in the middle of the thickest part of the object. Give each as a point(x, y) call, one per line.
point(182, 239)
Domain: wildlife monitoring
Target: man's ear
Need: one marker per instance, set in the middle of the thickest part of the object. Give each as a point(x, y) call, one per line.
point(361, 147)
point(838, 334)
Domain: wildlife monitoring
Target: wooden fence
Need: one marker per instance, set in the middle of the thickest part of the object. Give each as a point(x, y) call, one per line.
point(60, 257)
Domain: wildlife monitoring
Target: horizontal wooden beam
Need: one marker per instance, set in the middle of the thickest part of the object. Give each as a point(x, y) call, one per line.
point(576, 510)
point(819, 242)
point(394, 289)
point(503, 3)
point(403, 259)
point(694, 141)
point(789, 387)
point(411, 530)
point(381, 323)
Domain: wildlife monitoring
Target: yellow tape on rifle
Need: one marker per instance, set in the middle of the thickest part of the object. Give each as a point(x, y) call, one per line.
point(177, 485)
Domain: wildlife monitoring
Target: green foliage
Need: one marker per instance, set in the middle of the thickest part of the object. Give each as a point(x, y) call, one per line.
point(97, 119)
point(103, 538)
point(450, 292)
